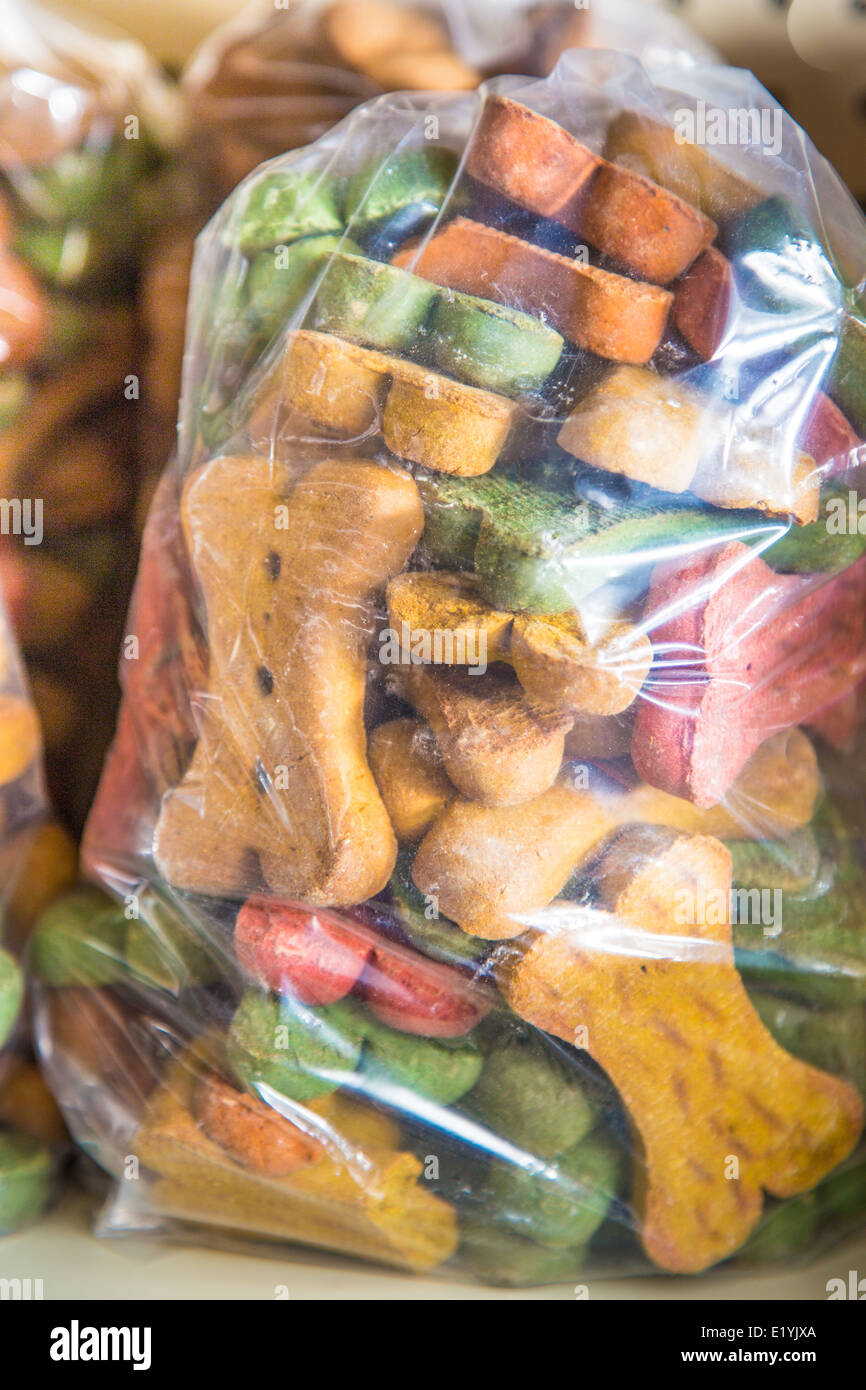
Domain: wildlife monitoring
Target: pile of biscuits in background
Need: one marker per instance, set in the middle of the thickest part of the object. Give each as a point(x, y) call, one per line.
point(106, 178)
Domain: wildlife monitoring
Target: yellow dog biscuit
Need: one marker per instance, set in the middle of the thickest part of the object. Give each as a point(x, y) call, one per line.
point(650, 989)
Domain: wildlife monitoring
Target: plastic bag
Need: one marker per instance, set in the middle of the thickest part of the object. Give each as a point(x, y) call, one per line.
point(485, 812)
point(31, 1129)
point(275, 79)
point(83, 171)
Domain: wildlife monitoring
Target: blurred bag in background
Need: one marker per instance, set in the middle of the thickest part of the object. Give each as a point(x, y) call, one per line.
point(85, 177)
point(37, 861)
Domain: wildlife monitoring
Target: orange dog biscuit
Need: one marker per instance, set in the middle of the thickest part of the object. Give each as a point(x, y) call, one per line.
point(607, 314)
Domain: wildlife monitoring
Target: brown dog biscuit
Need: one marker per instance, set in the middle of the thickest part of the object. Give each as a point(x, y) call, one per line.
point(600, 735)
point(640, 225)
point(257, 1136)
point(702, 303)
point(498, 747)
point(491, 868)
point(607, 314)
point(279, 783)
point(651, 990)
point(537, 164)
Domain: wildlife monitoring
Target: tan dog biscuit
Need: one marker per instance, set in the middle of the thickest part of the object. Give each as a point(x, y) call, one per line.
point(557, 663)
point(446, 609)
point(280, 771)
point(775, 794)
point(493, 868)
point(659, 152)
point(443, 424)
point(657, 431)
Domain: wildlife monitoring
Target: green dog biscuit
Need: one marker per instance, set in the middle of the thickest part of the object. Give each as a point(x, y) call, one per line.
point(26, 1169)
point(371, 303)
point(299, 1051)
point(492, 346)
point(564, 1207)
point(282, 207)
point(819, 956)
point(843, 1196)
point(415, 177)
point(791, 864)
point(500, 1257)
point(833, 1040)
point(784, 1229)
point(823, 546)
point(278, 281)
point(527, 1097)
point(11, 994)
point(80, 940)
point(437, 1068)
point(536, 551)
point(437, 937)
point(848, 372)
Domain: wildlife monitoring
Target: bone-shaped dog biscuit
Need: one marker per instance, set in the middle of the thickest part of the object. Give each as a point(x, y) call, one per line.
point(492, 868)
point(650, 988)
point(280, 773)
point(498, 747)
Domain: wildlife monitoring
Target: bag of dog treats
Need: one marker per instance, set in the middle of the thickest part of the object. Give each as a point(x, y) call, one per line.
point(36, 860)
point(83, 170)
point(484, 822)
point(278, 78)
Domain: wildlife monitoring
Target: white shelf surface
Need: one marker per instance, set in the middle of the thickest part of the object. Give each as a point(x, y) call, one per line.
point(73, 1264)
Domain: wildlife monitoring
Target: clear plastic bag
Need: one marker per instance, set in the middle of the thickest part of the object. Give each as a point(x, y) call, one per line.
point(485, 811)
point(84, 170)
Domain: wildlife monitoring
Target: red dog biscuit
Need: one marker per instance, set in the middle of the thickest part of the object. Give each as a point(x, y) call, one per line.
point(745, 653)
point(702, 303)
point(311, 955)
